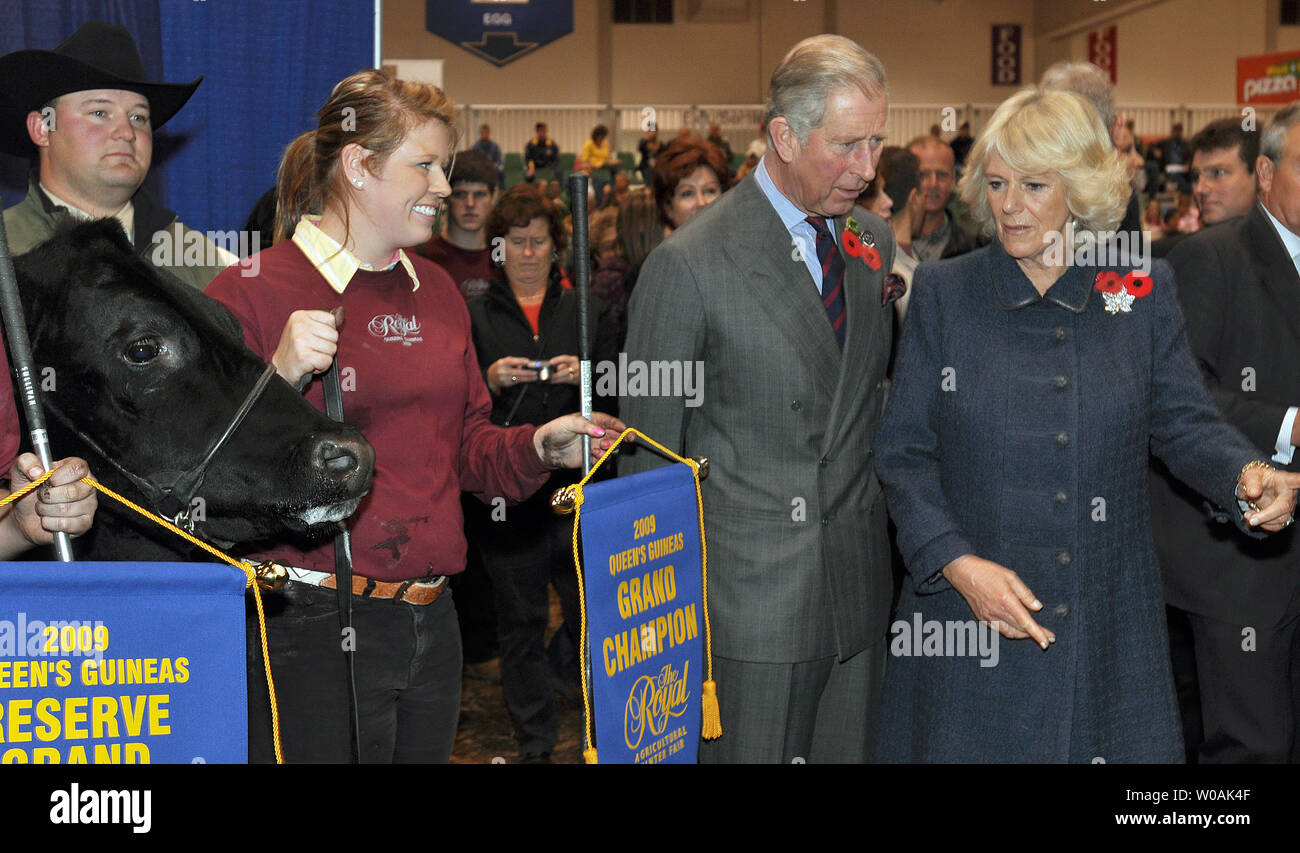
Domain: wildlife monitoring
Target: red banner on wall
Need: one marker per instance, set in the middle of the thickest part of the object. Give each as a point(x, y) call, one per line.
point(1269, 78)
point(1102, 51)
point(1006, 54)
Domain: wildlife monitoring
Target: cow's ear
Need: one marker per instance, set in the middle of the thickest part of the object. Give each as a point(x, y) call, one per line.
point(42, 275)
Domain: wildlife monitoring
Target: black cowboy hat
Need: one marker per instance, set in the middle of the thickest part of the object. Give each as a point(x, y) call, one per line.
point(96, 56)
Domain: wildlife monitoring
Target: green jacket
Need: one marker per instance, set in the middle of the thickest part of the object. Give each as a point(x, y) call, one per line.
point(167, 244)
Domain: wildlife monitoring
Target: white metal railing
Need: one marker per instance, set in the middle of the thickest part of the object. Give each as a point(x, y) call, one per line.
point(513, 124)
point(570, 124)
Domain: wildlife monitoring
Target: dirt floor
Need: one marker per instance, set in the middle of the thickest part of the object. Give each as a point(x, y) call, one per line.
point(485, 735)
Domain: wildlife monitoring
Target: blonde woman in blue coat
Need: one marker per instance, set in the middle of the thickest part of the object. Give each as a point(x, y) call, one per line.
point(1034, 376)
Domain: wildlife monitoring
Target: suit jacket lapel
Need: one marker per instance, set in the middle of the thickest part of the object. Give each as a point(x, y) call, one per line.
point(861, 307)
point(780, 284)
point(1276, 270)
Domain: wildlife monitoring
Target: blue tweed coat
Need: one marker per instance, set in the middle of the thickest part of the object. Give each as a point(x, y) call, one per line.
point(1018, 430)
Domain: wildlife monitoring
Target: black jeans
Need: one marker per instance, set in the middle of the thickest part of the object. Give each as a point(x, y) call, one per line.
point(408, 662)
point(523, 556)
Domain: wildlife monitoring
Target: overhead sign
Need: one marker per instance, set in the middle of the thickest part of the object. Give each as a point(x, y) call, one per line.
point(1006, 54)
point(1102, 51)
point(499, 31)
point(1269, 78)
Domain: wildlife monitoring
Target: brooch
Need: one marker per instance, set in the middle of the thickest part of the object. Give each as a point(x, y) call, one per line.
point(858, 243)
point(1118, 292)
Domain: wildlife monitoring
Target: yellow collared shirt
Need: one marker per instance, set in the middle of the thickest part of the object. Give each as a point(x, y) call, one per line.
point(336, 264)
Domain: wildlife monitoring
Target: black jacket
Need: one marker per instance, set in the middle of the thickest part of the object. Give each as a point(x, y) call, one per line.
point(501, 329)
point(1238, 290)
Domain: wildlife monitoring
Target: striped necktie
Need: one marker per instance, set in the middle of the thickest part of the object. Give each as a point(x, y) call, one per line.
point(828, 254)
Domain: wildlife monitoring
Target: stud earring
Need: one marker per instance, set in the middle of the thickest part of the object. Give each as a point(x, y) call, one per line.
point(358, 182)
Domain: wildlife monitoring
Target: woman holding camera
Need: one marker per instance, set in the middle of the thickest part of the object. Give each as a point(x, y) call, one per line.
point(526, 332)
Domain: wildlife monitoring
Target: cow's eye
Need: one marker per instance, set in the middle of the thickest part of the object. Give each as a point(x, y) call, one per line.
point(144, 351)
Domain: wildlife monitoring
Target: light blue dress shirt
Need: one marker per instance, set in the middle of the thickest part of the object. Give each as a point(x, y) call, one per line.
point(803, 237)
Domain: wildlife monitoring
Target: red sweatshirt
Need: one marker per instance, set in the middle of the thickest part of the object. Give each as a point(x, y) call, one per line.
point(411, 384)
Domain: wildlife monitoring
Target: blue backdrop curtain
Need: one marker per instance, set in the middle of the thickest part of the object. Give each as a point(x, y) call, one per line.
point(267, 66)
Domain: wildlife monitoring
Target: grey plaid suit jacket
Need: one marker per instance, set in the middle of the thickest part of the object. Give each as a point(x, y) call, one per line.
point(799, 564)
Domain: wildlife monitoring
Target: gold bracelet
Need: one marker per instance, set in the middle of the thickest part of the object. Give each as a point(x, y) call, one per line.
point(1254, 463)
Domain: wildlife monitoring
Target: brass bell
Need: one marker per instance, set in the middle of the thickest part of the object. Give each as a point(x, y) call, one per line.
point(271, 577)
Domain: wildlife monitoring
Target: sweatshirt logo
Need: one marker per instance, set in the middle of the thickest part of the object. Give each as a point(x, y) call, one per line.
point(396, 328)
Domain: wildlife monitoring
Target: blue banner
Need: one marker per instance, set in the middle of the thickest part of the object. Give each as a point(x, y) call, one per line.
point(499, 32)
point(641, 551)
point(122, 663)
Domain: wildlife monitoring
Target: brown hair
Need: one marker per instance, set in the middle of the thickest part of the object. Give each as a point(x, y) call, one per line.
point(518, 207)
point(640, 226)
point(682, 157)
point(371, 108)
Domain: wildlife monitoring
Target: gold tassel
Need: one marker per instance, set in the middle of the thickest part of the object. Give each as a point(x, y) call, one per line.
point(589, 755)
point(711, 728)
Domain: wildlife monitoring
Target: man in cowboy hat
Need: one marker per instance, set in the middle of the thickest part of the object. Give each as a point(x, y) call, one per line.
point(88, 113)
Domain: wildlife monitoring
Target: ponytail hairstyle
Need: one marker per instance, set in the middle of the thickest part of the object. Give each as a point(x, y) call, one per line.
point(375, 110)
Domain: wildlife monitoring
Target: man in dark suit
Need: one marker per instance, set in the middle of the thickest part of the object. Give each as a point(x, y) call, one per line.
point(1223, 176)
point(1235, 602)
point(779, 290)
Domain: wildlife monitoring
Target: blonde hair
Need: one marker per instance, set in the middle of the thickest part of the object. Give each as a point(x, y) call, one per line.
point(1037, 131)
point(372, 108)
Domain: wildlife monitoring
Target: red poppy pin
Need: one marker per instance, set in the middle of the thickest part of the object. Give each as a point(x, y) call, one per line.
point(860, 244)
point(1118, 292)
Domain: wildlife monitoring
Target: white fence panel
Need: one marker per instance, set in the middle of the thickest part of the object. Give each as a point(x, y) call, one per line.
point(570, 124)
point(512, 124)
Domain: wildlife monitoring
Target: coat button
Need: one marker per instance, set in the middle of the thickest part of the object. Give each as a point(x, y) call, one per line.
point(1061, 610)
point(1063, 438)
point(1059, 333)
point(1063, 558)
point(824, 461)
point(1062, 497)
point(796, 406)
point(1060, 381)
point(826, 519)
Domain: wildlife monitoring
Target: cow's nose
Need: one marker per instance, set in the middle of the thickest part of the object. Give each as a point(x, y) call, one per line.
point(340, 458)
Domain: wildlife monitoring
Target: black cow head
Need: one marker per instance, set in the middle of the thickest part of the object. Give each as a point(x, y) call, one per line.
point(144, 374)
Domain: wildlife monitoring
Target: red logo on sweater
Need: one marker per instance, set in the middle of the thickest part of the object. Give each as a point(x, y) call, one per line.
point(395, 327)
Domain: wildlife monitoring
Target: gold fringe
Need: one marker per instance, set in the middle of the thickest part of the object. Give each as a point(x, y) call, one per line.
point(711, 727)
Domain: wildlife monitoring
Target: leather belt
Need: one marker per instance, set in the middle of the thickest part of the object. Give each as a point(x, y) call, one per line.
point(421, 591)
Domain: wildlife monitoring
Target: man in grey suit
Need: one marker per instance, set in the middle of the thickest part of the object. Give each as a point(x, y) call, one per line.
point(779, 288)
